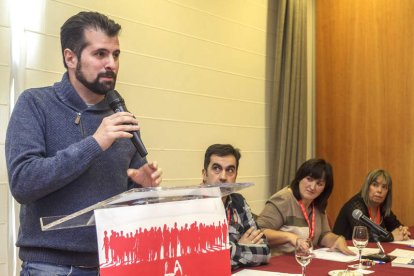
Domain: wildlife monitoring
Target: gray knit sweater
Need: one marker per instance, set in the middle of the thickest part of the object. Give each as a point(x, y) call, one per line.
point(56, 167)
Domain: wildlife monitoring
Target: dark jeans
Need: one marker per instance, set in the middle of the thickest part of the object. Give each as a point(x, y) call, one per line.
point(47, 269)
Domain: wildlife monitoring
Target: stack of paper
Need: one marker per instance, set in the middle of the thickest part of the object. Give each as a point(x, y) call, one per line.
point(402, 253)
point(403, 262)
point(325, 254)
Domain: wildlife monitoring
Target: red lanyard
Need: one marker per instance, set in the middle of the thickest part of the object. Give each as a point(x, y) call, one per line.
point(305, 214)
point(235, 220)
point(377, 219)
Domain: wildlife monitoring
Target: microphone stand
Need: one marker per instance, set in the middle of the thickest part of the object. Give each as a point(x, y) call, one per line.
point(381, 256)
point(382, 252)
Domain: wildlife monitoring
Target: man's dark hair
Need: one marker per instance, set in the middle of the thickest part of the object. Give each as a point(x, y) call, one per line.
point(72, 32)
point(221, 150)
point(317, 169)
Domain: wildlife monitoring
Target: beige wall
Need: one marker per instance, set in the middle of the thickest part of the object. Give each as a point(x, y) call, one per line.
point(4, 115)
point(193, 72)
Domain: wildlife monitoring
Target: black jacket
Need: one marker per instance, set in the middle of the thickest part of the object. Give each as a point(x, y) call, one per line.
point(345, 223)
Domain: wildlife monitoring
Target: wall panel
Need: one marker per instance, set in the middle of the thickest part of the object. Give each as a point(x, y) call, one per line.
point(364, 81)
point(164, 74)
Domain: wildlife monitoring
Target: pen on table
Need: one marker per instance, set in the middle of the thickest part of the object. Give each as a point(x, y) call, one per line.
point(410, 245)
point(378, 262)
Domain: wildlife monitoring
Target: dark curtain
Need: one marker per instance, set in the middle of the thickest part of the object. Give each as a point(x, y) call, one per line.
point(288, 103)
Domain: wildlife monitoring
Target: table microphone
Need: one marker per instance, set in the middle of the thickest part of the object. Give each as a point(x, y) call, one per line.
point(358, 215)
point(117, 103)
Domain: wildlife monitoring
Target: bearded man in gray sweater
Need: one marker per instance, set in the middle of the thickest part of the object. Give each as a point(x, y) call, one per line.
point(66, 150)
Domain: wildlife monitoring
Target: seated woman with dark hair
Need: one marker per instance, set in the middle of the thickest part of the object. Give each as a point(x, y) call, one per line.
point(298, 211)
point(374, 200)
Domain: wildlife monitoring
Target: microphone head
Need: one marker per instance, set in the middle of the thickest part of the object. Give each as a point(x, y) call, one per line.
point(114, 99)
point(357, 214)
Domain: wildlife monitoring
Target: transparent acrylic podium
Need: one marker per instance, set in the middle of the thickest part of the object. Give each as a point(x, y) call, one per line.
point(140, 196)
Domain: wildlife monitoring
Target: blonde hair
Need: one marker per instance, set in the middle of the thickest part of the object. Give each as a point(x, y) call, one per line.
point(371, 178)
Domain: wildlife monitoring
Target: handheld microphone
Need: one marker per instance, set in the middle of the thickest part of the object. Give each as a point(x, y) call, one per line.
point(358, 215)
point(117, 103)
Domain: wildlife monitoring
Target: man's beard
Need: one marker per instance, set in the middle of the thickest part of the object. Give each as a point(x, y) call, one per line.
point(95, 86)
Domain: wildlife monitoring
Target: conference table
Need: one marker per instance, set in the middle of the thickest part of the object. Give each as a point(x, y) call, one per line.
point(318, 267)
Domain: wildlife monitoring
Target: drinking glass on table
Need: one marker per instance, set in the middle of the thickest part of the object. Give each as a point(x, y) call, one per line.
point(360, 240)
point(303, 252)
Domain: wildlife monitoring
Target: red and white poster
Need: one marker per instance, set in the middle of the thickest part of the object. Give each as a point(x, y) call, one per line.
point(178, 237)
